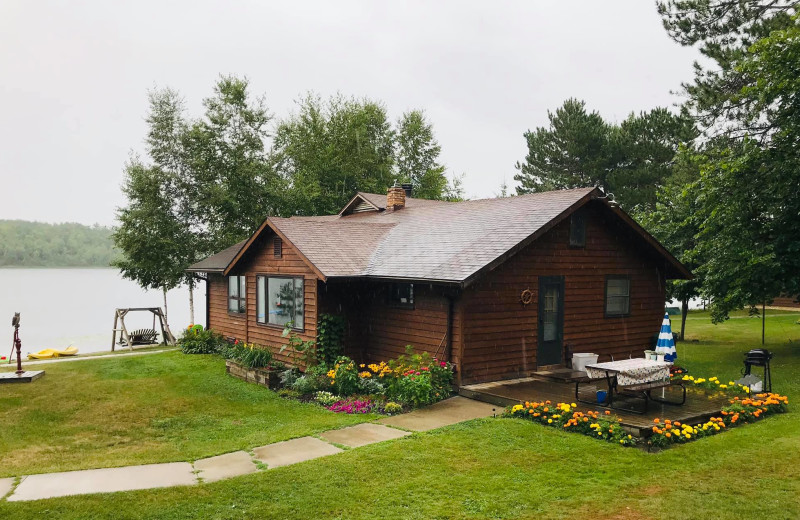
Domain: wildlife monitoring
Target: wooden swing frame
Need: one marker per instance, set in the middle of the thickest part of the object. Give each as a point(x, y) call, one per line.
point(125, 340)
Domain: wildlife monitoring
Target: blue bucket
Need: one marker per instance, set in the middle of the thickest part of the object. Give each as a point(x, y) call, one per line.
point(601, 396)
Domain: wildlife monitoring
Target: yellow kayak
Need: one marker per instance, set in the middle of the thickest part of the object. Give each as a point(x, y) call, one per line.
point(54, 353)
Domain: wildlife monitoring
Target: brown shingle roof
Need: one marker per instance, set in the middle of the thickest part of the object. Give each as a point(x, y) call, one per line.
point(219, 262)
point(439, 241)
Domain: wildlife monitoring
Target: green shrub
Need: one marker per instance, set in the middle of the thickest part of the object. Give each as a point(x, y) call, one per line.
point(344, 376)
point(196, 340)
point(370, 386)
point(326, 398)
point(289, 376)
point(392, 407)
point(304, 385)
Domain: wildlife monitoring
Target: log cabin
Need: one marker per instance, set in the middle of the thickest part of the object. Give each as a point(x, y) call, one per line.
point(500, 287)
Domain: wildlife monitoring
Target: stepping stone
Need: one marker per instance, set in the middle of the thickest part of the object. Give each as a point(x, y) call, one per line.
point(225, 466)
point(294, 451)
point(363, 434)
point(49, 485)
point(5, 486)
point(450, 411)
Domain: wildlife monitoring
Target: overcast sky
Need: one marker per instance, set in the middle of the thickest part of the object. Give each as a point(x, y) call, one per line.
point(74, 77)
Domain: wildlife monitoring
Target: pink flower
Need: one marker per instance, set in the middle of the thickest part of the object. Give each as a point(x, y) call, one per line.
point(443, 364)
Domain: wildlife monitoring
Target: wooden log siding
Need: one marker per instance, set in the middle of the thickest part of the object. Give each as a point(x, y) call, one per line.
point(262, 261)
point(379, 331)
point(500, 334)
point(230, 325)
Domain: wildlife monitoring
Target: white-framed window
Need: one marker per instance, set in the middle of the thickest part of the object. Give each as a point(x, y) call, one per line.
point(237, 294)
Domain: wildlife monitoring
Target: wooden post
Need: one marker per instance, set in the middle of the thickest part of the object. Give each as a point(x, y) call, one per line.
point(763, 321)
point(125, 334)
point(114, 332)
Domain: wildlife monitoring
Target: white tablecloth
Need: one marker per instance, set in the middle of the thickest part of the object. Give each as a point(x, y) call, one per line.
point(631, 371)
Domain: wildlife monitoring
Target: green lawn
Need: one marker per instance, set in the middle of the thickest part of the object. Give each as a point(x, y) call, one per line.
point(506, 468)
point(143, 409)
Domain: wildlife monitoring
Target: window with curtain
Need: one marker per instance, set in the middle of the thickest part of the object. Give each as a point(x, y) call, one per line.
point(237, 292)
point(279, 300)
point(618, 295)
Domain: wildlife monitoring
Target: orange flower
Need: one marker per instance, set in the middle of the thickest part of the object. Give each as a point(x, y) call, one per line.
point(656, 420)
point(608, 413)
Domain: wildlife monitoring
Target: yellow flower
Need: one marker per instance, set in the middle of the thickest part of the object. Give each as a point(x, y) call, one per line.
point(549, 421)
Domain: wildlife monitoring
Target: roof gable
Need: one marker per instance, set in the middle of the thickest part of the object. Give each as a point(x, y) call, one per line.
point(359, 204)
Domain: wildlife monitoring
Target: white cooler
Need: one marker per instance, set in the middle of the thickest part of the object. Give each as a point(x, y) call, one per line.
point(581, 359)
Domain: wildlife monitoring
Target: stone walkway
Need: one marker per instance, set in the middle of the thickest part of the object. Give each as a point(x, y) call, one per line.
point(51, 485)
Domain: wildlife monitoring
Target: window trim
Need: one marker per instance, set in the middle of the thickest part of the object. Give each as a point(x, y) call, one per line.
point(266, 323)
point(582, 217)
point(396, 303)
point(242, 299)
point(605, 296)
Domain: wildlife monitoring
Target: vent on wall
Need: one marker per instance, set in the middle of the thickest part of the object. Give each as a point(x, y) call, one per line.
point(277, 247)
point(362, 207)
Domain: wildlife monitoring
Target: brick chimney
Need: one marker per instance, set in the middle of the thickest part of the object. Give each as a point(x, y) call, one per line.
point(396, 197)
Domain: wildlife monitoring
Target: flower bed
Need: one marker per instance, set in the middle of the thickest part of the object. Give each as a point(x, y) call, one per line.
point(665, 432)
point(711, 383)
point(565, 416)
point(739, 411)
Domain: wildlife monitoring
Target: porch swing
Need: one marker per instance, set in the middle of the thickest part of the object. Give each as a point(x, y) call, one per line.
point(140, 336)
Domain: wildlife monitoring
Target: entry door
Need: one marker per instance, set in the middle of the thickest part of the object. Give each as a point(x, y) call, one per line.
point(551, 320)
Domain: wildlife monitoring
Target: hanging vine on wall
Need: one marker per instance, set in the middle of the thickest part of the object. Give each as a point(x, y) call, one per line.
point(330, 337)
point(526, 297)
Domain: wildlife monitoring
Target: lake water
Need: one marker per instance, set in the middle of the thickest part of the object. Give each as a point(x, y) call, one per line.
point(59, 307)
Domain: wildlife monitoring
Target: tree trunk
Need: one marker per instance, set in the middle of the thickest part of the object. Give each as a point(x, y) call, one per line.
point(191, 302)
point(684, 312)
point(164, 289)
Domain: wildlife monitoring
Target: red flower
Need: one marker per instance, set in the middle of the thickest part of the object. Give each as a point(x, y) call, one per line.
point(424, 368)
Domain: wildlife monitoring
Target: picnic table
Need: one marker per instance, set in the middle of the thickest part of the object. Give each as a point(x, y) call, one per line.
point(633, 377)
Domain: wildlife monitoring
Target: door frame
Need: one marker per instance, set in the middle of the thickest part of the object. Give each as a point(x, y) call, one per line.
point(545, 281)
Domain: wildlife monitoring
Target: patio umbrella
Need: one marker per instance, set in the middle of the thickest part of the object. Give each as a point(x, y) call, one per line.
point(666, 344)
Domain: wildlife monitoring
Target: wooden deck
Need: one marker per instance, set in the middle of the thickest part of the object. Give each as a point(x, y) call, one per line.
point(699, 405)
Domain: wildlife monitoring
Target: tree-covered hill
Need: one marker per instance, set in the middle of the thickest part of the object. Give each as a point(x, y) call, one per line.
point(36, 244)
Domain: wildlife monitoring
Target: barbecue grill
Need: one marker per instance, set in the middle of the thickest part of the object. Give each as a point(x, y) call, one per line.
point(759, 357)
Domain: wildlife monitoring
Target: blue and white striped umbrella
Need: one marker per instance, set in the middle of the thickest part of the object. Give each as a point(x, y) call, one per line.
point(666, 344)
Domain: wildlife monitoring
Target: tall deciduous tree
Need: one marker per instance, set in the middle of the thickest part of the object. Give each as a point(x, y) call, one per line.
point(149, 235)
point(167, 128)
point(418, 156)
point(675, 223)
point(328, 150)
point(231, 184)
